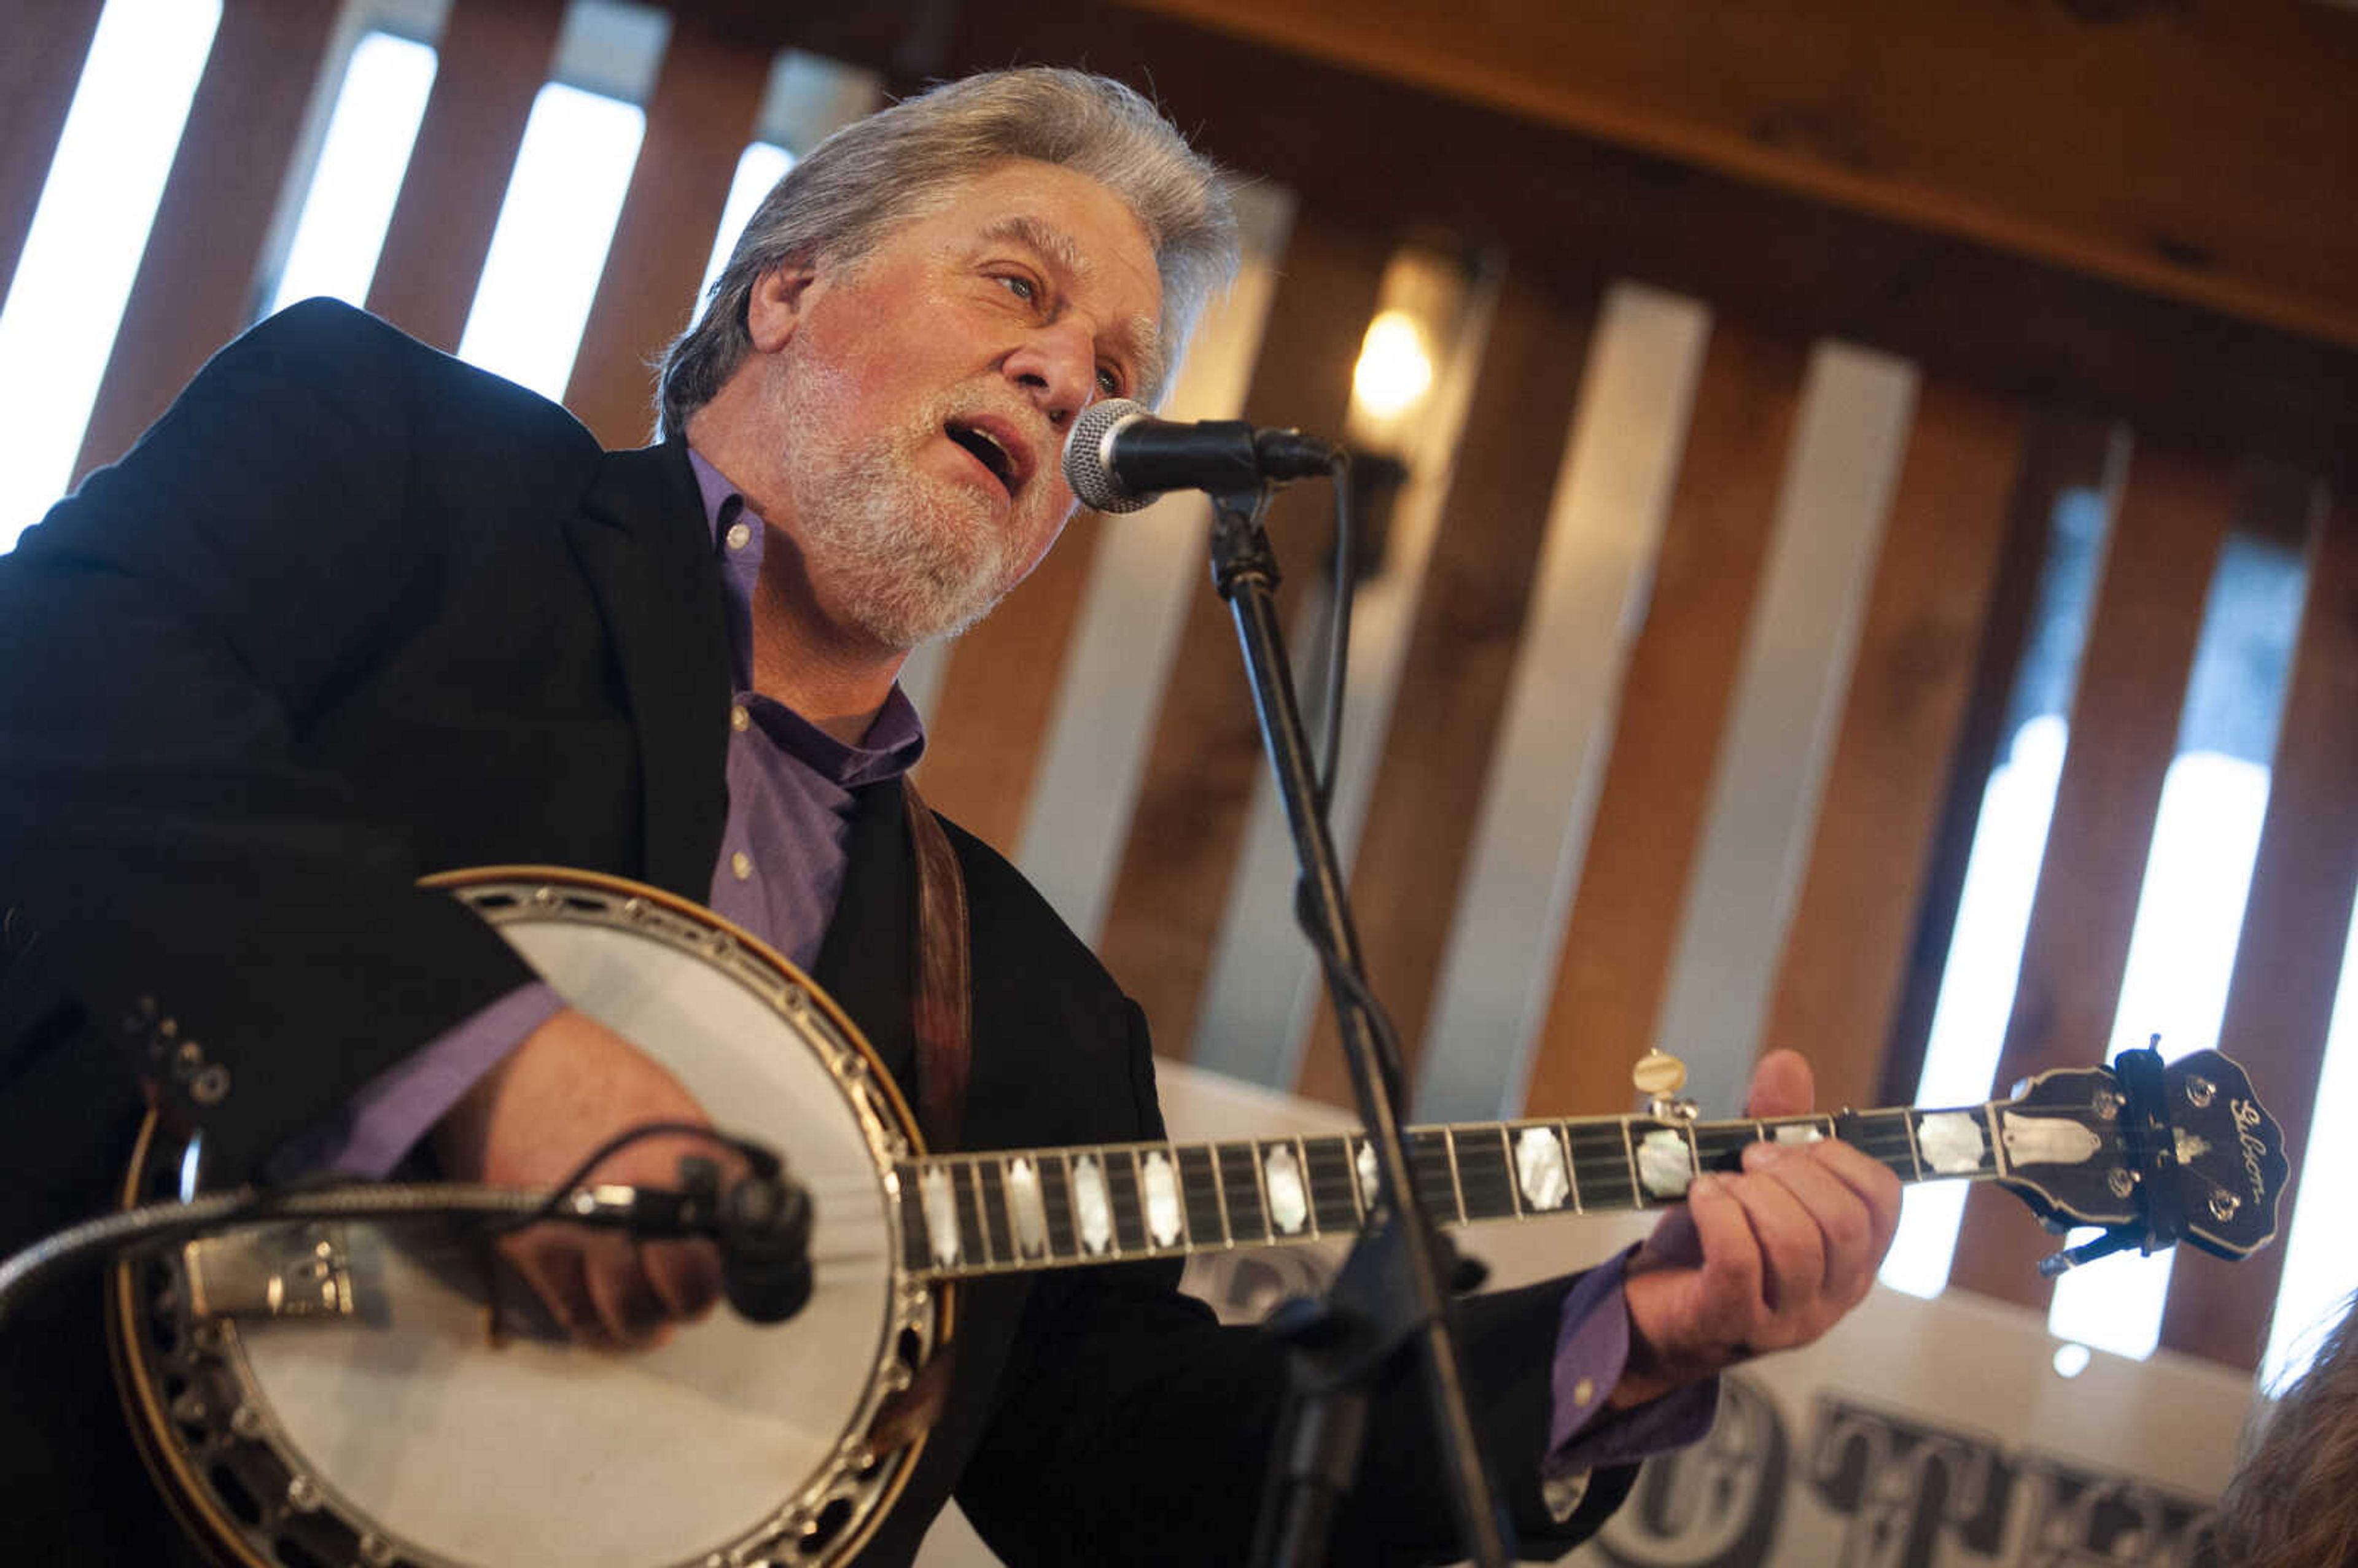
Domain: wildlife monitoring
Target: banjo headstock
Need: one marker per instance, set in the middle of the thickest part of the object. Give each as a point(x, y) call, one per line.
point(2181, 1150)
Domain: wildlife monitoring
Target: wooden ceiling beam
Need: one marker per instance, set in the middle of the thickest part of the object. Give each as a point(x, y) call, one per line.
point(2191, 149)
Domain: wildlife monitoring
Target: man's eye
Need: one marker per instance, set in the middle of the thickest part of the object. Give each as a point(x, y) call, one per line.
point(1022, 287)
point(1109, 382)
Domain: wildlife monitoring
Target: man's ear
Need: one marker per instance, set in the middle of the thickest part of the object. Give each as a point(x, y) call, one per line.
point(776, 305)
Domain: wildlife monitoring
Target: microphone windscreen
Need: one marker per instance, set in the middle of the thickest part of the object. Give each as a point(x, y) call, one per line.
point(1089, 466)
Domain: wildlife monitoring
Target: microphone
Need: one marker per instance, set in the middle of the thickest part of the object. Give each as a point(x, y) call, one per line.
point(765, 1269)
point(1120, 457)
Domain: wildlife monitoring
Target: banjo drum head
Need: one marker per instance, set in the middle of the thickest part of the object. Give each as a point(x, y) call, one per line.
point(733, 1438)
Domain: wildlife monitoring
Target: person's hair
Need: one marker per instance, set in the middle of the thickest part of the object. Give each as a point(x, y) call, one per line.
point(841, 199)
point(2295, 1502)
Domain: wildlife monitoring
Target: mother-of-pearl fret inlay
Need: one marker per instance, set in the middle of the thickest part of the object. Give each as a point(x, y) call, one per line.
point(1538, 1164)
point(1369, 1184)
point(1289, 1200)
point(1951, 1142)
point(1664, 1163)
point(1025, 1207)
point(1162, 1184)
point(1799, 1132)
point(1092, 1204)
point(941, 1213)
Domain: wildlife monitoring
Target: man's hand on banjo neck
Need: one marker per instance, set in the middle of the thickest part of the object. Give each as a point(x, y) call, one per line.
point(570, 1085)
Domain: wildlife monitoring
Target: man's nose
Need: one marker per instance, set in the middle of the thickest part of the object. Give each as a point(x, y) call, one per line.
point(1056, 367)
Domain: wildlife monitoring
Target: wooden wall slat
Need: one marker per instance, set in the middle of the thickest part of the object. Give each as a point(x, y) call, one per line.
point(1460, 665)
point(2296, 926)
point(1180, 856)
point(699, 118)
point(195, 283)
point(1674, 700)
point(2062, 452)
point(47, 42)
point(1846, 947)
point(999, 692)
point(2174, 512)
point(492, 59)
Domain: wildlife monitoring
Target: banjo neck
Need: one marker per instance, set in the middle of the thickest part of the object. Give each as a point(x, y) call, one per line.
point(1007, 1211)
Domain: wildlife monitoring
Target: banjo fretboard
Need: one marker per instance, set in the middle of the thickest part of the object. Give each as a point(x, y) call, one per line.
point(1010, 1210)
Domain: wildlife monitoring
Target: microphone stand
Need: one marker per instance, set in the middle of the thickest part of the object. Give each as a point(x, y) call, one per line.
point(1394, 1291)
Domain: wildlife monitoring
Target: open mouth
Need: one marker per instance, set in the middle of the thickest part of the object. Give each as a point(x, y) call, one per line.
point(987, 451)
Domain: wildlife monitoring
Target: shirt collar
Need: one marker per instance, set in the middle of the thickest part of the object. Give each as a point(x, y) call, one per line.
point(895, 739)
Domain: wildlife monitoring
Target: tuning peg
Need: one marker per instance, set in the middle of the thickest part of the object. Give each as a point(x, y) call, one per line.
point(1660, 1076)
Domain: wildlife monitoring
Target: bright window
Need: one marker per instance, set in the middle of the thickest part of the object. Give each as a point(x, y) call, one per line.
point(2320, 1265)
point(549, 247)
point(2197, 874)
point(761, 166)
point(361, 162)
point(1984, 958)
point(88, 233)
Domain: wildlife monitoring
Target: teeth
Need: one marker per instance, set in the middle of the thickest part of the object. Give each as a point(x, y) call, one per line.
point(1004, 467)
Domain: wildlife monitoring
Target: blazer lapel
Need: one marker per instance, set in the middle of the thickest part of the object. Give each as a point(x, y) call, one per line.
point(641, 540)
point(867, 962)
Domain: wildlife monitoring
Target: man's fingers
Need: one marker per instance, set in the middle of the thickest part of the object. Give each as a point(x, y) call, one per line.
point(1782, 1085)
point(628, 1308)
point(1731, 1288)
point(685, 1275)
point(1792, 1253)
point(557, 1276)
point(1877, 1187)
point(1837, 1217)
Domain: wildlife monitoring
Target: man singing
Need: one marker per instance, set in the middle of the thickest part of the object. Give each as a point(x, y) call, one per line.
point(354, 612)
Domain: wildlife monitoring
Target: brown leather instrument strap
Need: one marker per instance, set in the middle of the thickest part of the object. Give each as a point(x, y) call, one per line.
point(941, 1013)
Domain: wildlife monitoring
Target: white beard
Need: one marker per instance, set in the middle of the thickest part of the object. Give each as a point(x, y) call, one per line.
point(902, 556)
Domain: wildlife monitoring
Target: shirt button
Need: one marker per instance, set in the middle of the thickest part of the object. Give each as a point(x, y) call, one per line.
point(739, 536)
point(1583, 1390)
point(739, 719)
point(742, 866)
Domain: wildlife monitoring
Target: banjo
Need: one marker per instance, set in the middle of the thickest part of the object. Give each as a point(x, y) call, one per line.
point(318, 1394)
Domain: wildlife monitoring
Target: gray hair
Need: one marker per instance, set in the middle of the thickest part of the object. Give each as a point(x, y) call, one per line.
point(839, 201)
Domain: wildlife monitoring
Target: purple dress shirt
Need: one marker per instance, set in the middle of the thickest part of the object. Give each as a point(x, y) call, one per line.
point(784, 851)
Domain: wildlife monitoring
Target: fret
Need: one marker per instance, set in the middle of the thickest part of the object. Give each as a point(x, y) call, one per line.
point(1333, 1187)
point(1457, 1182)
point(974, 1244)
point(1506, 1156)
point(916, 1240)
point(1199, 1183)
point(1129, 1213)
point(1240, 1169)
point(990, 1178)
point(1485, 1181)
point(1720, 1145)
point(1869, 1132)
point(1996, 1144)
point(1915, 1152)
point(1432, 1171)
point(1056, 1197)
point(1603, 1164)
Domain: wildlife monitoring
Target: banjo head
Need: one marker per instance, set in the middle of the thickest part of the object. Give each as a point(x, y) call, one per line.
point(442, 1422)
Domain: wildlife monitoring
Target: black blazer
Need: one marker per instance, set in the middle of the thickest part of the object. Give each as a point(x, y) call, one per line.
point(353, 612)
